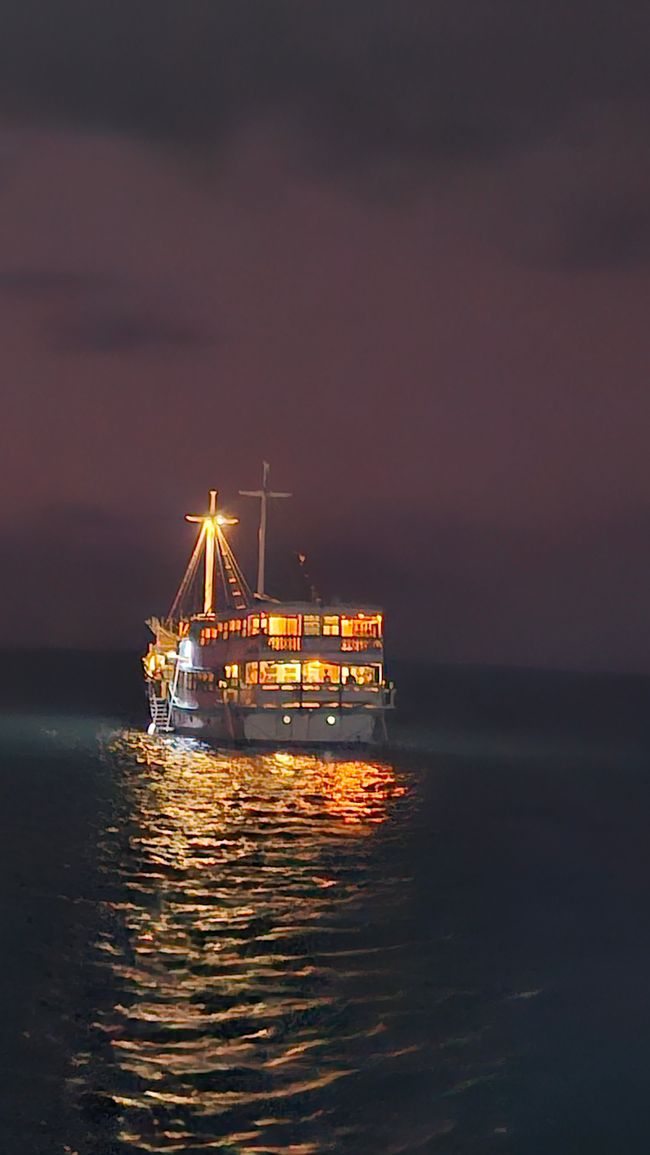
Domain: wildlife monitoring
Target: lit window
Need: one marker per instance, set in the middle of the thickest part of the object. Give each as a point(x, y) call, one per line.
point(363, 676)
point(331, 720)
point(283, 626)
point(278, 673)
point(361, 626)
point(320, 673)
point(287, 719)
point(331, 625)
point(232, 672)
point(253, 625)
point(252, 673)
point(311, 625)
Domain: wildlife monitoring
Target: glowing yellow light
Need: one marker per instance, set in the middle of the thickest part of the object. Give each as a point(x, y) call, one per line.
point(210, 523)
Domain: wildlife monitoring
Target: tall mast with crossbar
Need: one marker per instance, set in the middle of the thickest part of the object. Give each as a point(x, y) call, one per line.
point(263, 495)
point(208, 535)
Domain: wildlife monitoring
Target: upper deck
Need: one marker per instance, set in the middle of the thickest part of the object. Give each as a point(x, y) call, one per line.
point(295, 627)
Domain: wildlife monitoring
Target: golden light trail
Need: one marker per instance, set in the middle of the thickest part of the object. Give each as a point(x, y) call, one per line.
point(234, 862)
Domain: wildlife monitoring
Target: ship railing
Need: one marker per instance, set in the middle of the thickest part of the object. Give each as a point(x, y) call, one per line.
point(325, 644)
point(308, 693)
point(281, 694)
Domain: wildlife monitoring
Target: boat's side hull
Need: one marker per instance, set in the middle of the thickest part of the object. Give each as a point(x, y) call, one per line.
point(333, 726)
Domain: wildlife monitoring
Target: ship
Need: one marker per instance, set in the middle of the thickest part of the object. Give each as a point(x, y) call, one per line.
point(236, 666)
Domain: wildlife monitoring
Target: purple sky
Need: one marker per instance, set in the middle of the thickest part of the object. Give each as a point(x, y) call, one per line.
point(400, 250)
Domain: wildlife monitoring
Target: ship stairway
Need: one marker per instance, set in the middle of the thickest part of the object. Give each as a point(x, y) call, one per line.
point(160, 715)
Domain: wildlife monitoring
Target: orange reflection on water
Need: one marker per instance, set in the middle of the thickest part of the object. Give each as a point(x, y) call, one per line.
point(241, 876)
point(357, 791)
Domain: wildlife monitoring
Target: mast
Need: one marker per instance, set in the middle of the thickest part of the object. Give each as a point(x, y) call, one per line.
point(263, 494)
point(209, 535)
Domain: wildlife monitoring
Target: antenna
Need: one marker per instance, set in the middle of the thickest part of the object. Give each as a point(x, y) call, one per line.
point(263, 494)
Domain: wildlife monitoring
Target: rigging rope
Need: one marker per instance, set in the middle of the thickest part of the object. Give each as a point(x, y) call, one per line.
point(188, 577)
point(235, 590)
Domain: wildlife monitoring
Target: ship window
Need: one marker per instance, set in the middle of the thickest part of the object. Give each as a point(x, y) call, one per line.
point(311, 625)
point(361, 626)
point(362, 675)
point(232, 672)
point(331, 625)
point(252, 673)
point(276, 673)
point(283, 626)
point(319, 673)
point(253, 626)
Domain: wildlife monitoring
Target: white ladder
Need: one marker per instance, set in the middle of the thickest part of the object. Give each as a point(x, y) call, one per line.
point(160, 715)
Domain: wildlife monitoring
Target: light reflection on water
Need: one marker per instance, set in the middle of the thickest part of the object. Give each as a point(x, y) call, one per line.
point(252, 986)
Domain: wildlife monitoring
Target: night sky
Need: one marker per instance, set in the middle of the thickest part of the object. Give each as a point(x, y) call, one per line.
point(399, 249)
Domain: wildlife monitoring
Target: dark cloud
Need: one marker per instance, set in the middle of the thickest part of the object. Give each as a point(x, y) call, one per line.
point(86, 312)
point(382, 88)
point(46, 283)
point(114, 331)
point(424, 79)
point(595, 236)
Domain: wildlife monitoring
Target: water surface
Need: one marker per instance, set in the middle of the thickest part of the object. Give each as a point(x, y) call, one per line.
point(442, 949)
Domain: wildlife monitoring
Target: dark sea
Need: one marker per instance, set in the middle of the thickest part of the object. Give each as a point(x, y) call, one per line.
point(444, 947)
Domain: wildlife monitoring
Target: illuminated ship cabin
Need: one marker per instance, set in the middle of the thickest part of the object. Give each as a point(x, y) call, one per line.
point(262, 670)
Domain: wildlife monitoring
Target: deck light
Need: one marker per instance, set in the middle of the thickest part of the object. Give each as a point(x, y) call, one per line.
point(331, 720)
point(287, 719)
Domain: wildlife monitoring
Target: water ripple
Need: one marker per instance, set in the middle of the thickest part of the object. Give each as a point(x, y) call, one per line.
point(249, 985)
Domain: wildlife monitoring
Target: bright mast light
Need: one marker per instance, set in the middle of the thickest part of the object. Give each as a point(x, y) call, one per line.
point(210, 523)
